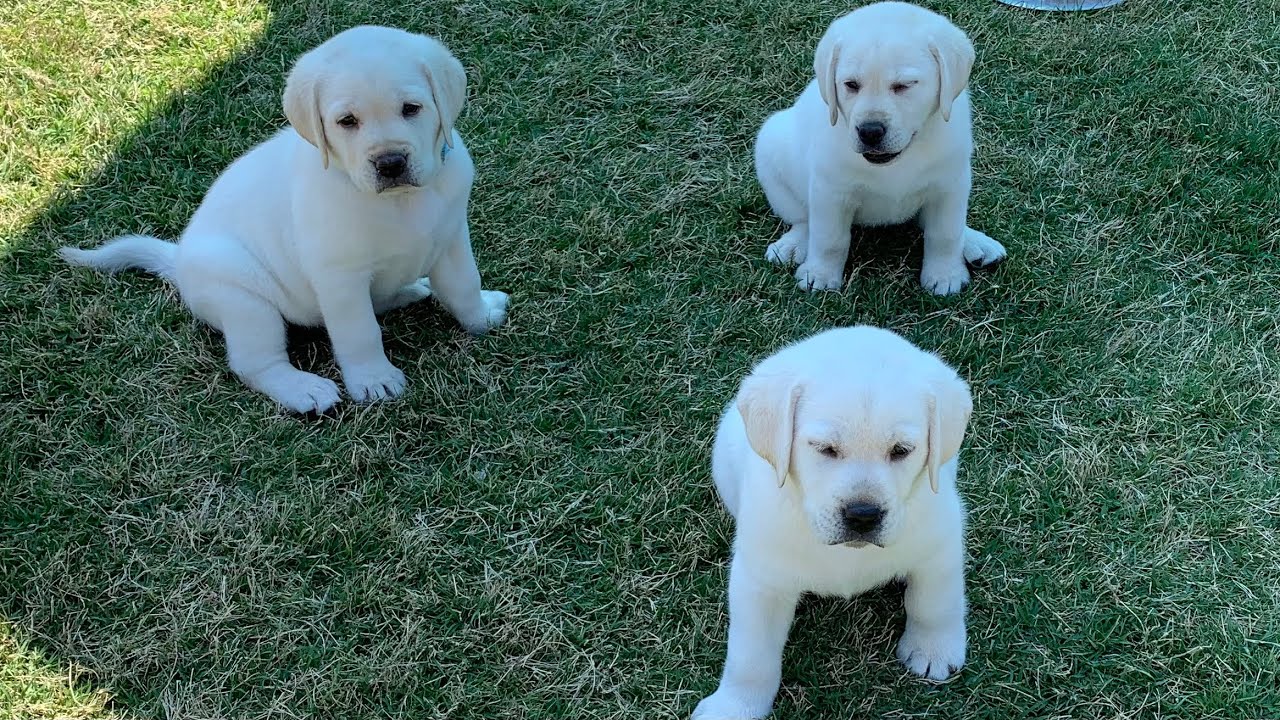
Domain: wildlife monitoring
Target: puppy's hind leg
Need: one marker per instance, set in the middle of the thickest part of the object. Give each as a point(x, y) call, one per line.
point(415, 291)
point(980, 250)
point(227, 288)
point(774, 146)
point(455, 281)
point(256, 352)
point(790, 249)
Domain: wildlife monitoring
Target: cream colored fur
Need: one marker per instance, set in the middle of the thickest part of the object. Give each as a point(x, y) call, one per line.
point(306, 228)
point(890, 67)
point(852, 419)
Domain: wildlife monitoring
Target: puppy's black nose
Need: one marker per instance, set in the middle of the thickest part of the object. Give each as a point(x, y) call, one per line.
point(862, 518)
point(391, 165)
point(871, 133)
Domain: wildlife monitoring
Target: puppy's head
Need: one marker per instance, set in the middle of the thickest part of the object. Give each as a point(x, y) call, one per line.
point(379, 104)
point(860, 420)
point(885, 70)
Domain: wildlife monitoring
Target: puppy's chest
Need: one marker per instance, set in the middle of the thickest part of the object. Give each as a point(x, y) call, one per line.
point(404, 242)
point(876, 205)
point(848, 573)
point(828, 570)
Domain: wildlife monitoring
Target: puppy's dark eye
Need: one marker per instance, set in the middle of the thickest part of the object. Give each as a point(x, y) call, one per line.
point(852, 85)
point(826, 450)
point(900, 451)
point(348, 121)
point(410, 109)
point(900, 88)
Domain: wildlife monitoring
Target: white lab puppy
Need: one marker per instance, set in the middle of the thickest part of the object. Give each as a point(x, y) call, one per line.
point(880, 137)
point(838, 462)
point(333, 220)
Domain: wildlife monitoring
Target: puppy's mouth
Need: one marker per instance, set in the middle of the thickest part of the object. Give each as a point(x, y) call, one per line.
point(880, 158)
point(396, 184)
point(859, 544)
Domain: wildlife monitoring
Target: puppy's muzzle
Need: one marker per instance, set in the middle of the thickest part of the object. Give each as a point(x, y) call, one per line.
point(393, 170)
point(871, 136)
point(872, 133)
point(391, 166)
point(862, 522)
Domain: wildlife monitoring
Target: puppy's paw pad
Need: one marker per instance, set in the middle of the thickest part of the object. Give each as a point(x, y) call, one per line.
point(933, 655)
point(944, 279)
point(725, 706)
point(813, 277)
point(790, 249)
point(308, 393)
point(369, 383)
point(980, 250)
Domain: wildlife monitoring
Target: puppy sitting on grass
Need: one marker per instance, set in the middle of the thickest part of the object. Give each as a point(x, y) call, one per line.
point(881, 136)
point(838, 463)
point(333, 220)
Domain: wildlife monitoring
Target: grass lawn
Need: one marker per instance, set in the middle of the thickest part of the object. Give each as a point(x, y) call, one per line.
point(532, 532)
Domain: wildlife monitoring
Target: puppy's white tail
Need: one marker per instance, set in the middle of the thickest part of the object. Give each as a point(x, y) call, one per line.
point(129, 251)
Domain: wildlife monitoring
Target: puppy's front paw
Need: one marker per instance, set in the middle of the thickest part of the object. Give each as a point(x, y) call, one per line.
point(373, 381)
point(934, 654)
point(945, 278)
point(303, 392)
point(980, 250)
point(790, 249)
point(725, 705)
point(495, 311)
point(813, 276)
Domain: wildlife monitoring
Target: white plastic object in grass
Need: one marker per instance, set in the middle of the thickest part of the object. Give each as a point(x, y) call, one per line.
point(1062, 5)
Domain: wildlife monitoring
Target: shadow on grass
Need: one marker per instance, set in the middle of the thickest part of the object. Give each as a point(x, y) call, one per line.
point(202, 562)
point(60, 569)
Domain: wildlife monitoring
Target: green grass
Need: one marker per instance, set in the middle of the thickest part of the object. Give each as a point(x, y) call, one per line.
point(531, 532)
point(31, 687)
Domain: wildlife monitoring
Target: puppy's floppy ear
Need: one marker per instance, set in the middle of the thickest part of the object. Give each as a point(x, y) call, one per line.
point(953, 53)
point(302, 106)
point(825, 61)
point(767, 403)
point(949, 406)
point(448, 83)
